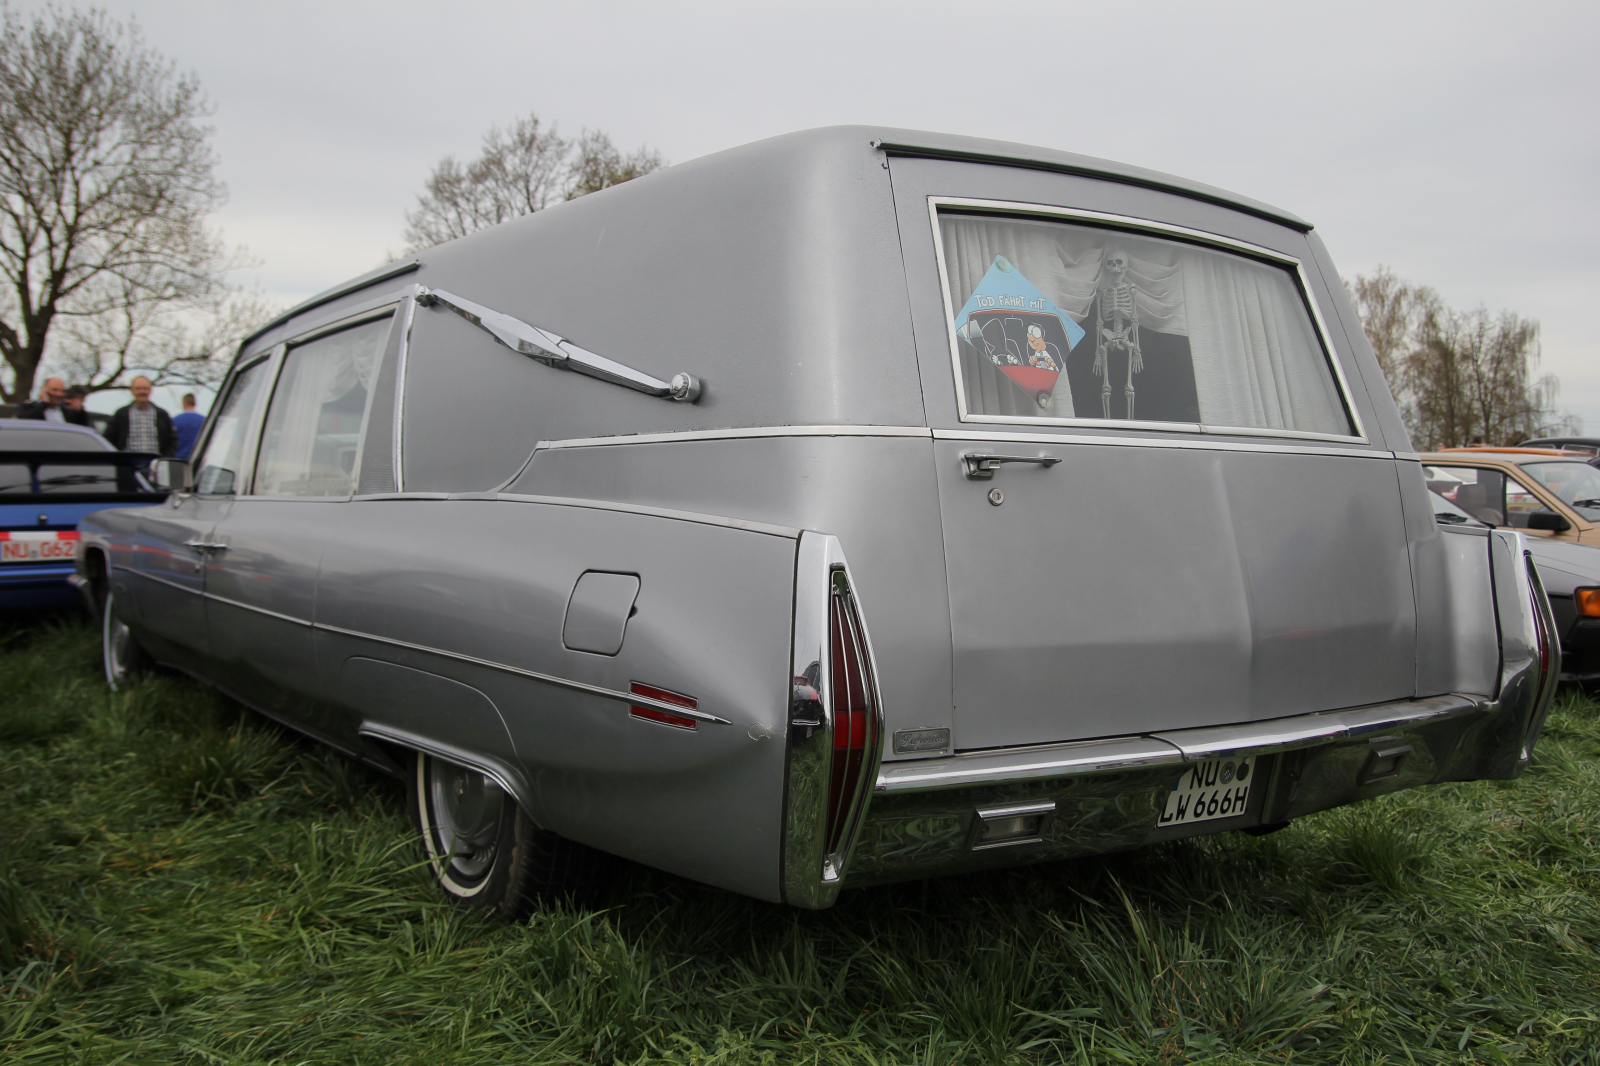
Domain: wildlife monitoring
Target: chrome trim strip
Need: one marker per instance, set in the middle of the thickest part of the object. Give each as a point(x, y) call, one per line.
point(1169, 748)
point(549, 679)
point(158, 579)
point(1063, 439)
point(407, 316)
point(737, 434)
point(1105, 171)
point(329, 295)
point(259, 610)
point(1086, 757)
point(428, 746)
point(786, 532)
point(1255, 251)
point(980, 435)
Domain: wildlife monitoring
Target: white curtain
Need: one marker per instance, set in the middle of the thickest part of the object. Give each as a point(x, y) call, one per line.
point(1257, 362)
point(300, 453)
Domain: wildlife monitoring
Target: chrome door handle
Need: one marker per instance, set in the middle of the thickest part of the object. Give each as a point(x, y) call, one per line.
point(982, 467)
point(198, 545)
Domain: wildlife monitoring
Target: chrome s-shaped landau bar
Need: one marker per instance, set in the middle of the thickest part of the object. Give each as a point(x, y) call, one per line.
point(551, 350)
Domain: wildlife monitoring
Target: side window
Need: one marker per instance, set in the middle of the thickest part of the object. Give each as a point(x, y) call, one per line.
point(1057, 322)
point(313, 430)
point(217, 471)
point(1520, 503)
point(1479, 492)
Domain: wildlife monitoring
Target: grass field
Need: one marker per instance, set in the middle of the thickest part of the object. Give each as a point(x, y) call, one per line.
point(182, 882)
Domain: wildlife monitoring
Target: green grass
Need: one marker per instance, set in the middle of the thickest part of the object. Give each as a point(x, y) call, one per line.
point(181, 882)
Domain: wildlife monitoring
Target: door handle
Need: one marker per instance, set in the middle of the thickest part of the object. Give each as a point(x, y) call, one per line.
point(982, 467)
point(198, 545)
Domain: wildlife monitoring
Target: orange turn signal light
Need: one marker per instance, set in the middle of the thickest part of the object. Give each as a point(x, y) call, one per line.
point(1587, 601)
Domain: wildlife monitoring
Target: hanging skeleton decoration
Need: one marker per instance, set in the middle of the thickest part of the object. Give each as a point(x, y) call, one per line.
point(1118, 328)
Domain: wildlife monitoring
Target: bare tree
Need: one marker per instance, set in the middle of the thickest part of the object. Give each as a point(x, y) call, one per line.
point(597, 164)
point(1458, 376)
point(522, 169)
point(1392, 310)
point(106, 181)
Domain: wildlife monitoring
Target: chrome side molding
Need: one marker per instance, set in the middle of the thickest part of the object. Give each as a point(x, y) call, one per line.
point(552, 350)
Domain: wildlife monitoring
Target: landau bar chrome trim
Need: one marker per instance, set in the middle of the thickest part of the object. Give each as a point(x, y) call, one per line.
point(551, 350)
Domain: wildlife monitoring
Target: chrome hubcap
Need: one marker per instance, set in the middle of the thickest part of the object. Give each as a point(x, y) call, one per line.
point(115, 640)
point(467, 808)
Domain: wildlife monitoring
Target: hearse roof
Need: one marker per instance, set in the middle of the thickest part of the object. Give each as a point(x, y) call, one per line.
point(734, 163)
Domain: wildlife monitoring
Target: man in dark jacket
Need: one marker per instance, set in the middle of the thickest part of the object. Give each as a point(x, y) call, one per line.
point(142, 426)
point(49, 407)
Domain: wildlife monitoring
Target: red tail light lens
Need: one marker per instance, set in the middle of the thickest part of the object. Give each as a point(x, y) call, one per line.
point(855, 712)
point(655, 714)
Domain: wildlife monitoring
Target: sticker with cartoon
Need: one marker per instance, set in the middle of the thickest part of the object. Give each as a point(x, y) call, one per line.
point(1019, 329)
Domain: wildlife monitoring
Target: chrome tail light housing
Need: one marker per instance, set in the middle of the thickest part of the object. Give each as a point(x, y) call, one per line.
point(835, 725)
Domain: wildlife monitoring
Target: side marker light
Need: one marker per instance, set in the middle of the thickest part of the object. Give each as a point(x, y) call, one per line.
point(654, 714)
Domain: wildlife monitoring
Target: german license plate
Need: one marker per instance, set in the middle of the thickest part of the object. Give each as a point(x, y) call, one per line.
point(1217, 788)
point(42, 546)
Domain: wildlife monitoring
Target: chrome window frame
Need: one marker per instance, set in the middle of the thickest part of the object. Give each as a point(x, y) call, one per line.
point(253, 422)
point(1046, 212)
point(388, 310)
point(408, 314)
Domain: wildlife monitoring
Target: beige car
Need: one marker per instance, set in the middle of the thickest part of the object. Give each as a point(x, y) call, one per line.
point(1538, 491)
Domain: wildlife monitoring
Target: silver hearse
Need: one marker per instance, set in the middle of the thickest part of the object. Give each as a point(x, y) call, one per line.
point(853, 506)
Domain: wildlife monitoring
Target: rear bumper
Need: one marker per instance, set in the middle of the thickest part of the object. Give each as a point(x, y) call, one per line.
point(1107, 795)
point(1004, 807)
point(29, 586)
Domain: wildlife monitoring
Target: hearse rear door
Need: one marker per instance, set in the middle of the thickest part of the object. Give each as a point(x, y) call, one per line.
point(1117, 575)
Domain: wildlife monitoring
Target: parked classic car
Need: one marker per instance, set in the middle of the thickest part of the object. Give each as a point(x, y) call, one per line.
point(853, 506)
point(51, 475)
point(1588, 447)
point(1542, 491)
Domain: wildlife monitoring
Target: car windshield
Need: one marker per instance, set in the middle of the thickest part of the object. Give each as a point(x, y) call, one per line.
point(1448, 514)
point(1578, 484)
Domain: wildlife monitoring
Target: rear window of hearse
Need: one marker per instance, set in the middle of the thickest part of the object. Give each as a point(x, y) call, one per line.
point(1062, 322)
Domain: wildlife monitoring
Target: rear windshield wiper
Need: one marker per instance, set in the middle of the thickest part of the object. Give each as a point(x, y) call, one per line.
point(1586, 503)
point(1450, 519)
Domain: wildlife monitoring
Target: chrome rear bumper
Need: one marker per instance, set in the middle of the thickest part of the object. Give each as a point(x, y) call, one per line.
point(1110, 794)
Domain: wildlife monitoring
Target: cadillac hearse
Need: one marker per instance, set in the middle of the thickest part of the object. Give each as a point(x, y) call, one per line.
point(853, 506)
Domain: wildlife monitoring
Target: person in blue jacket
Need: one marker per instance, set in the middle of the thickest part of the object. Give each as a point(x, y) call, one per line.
point(188, 426)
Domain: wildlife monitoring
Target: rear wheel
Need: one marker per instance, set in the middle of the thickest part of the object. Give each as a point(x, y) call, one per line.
point(120, 653)
point(483, 849)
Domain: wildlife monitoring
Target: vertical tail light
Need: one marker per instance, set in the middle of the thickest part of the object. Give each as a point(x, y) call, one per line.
point(855, 712)
point(835, 726)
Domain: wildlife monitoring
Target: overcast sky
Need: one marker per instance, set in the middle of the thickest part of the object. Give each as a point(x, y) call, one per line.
point(1454, 142)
